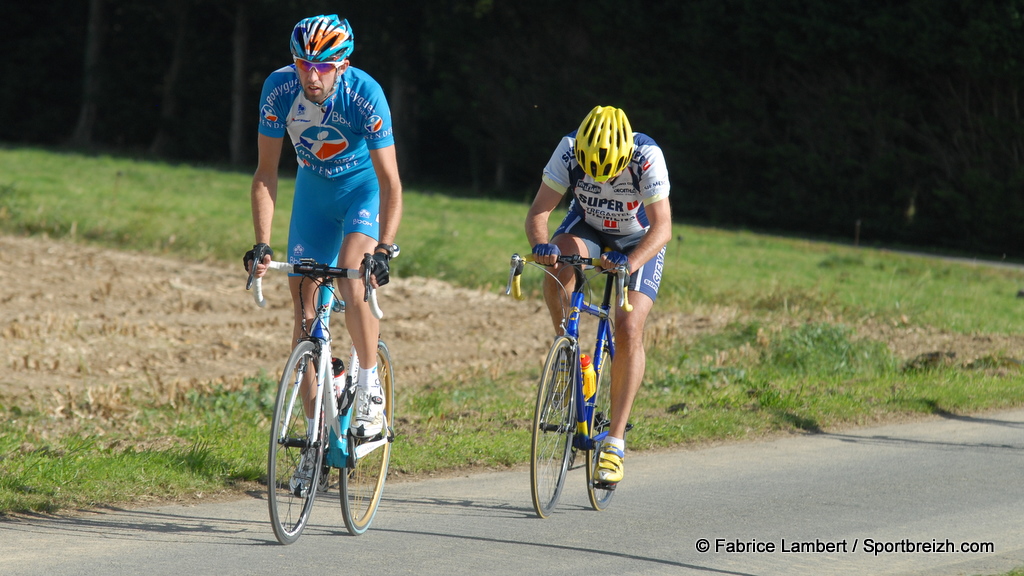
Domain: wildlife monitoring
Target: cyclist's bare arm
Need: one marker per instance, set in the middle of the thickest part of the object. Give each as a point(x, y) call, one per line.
point(385, 164)
point(659, 233)
point(263, 194)
point(544, 203)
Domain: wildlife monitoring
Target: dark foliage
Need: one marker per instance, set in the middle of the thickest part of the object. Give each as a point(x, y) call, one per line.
point(808, 116)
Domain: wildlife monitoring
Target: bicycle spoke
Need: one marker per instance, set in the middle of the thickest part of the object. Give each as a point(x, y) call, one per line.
point(600, 496)
point(290, 503)
point(554, 422)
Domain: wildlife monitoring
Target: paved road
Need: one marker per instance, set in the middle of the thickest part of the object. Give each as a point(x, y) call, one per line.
point(956, 479)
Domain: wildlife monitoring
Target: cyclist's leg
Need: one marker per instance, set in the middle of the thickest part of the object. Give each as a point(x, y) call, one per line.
point(362, 229)
point(630, 360)
point(359, 204)
point(627, 374)
point(573, 236)
point(362, 327)
point(630, 357)
point(315, 232)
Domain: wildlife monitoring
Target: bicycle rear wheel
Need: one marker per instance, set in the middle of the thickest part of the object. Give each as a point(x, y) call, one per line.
point(554, 423)
point(290, 506)
point(363, 484)
point(600, 421)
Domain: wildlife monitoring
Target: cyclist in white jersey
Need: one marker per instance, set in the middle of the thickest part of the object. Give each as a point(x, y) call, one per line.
point(348, 196)
point(620, 188)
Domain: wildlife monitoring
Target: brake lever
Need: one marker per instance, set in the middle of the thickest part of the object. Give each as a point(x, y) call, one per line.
point(621, 275)
point(515, 269)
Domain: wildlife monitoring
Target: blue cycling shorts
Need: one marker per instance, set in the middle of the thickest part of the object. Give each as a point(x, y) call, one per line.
point(646, 279)
point(326, 210)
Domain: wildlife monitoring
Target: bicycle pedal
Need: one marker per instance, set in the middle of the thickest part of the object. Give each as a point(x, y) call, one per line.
point(360, 440)
point(605, 485)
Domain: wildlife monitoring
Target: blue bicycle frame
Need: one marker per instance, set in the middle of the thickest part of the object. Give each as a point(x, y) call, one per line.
point(337, 455)
point(556, 438)
point(585, 406)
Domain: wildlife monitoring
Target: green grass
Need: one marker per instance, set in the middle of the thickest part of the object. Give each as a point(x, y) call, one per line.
point(795, 351)
point(200, 442)
point(193, 212)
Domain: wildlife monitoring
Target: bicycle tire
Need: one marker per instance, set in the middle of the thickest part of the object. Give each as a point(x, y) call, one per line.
point(554, 423)
point(362, 485)
point(290, 510)
point(599, 422)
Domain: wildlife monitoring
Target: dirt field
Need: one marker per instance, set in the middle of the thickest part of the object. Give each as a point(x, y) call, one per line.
point(79, 318)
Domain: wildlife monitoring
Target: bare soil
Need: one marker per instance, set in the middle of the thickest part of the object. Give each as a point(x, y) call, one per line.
point(76, 317)
point(88, 319)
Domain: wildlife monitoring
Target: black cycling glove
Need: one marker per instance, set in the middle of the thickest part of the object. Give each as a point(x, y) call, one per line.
point(380, 268)
point(256, 254)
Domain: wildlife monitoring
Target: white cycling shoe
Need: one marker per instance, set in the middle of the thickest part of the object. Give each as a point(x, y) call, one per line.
point(369, 412)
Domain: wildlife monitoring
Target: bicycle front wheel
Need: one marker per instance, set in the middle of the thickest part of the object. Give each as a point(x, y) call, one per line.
point(600, 420)
point(554, 422)
point(363, 484)
point(291, 501)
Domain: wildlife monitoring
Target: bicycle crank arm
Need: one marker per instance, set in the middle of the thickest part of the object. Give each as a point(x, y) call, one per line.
point(367, 447)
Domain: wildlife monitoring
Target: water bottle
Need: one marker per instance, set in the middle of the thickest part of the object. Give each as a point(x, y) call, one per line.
point(589, 376)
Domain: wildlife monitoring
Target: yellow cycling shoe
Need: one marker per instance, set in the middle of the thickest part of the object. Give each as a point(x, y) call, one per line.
point(609, 465)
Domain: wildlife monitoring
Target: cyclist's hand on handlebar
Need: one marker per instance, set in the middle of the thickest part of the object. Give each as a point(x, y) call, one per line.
point(261, 254)
point(611, 260)
point(379, 269)
point(546, 254)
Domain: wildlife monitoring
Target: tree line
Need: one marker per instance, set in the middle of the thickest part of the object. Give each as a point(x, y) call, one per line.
point(895, 121)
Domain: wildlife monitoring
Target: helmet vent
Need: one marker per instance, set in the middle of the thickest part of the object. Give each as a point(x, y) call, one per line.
point(604, 143)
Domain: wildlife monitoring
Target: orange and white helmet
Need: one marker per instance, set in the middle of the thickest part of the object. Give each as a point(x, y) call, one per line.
point(322, 38)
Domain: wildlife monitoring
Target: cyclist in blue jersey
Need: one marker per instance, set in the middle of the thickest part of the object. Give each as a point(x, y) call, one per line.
point(348, 196)
point(619, 187)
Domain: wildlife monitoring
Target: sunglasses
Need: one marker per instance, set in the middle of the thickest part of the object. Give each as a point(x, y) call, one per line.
point(320, 67)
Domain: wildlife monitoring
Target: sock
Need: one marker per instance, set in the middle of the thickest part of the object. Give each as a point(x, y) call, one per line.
point(617, 442)
point(368, 377)
point(310, 422)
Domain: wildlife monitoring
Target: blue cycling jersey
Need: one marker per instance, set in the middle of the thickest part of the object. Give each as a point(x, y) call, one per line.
point(331, 140)
point(336, 189)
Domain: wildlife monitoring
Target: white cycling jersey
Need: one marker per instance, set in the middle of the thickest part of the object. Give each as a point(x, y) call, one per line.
point(616, 206)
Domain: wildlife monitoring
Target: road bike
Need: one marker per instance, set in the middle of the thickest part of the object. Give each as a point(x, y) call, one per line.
point(568, 417)
point(362, 462)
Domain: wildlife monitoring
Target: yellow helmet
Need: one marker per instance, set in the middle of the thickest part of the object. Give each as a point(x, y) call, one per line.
point(604, 143)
